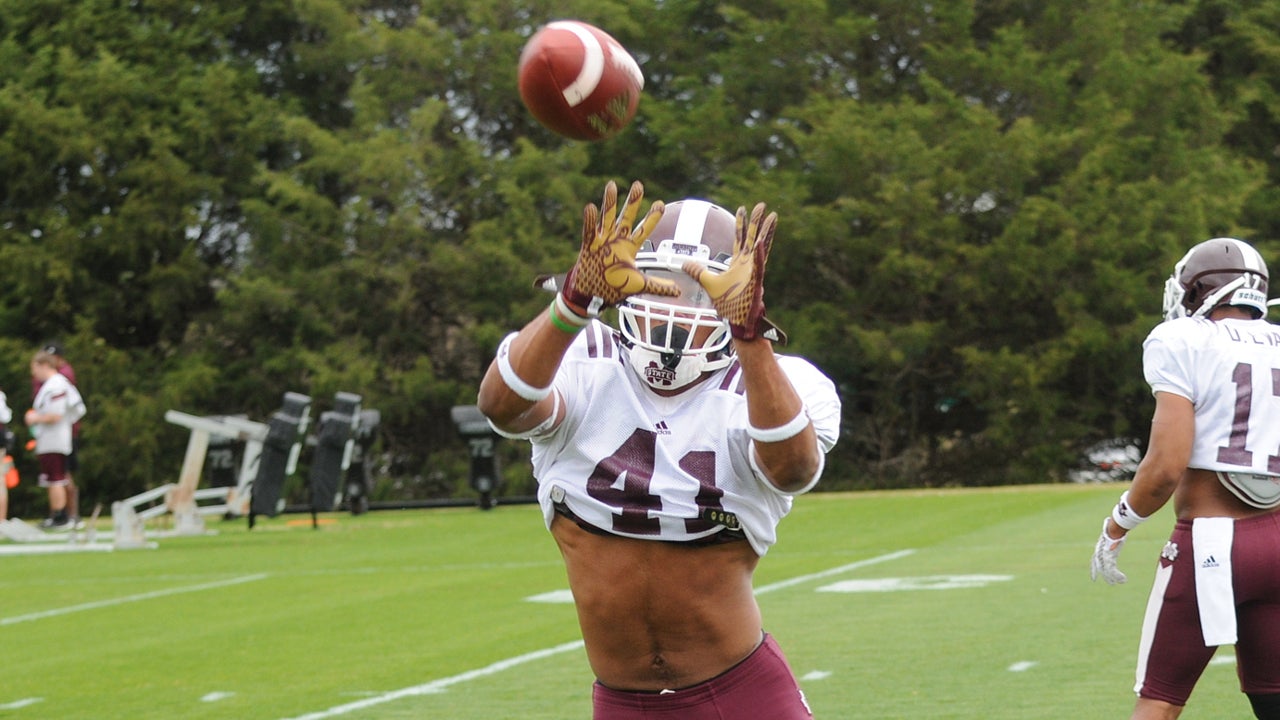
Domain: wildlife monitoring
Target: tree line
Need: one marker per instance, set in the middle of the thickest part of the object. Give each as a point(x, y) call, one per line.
point(211, 204)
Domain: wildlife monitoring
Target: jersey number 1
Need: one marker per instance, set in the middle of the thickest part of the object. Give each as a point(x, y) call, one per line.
point(1235, 451)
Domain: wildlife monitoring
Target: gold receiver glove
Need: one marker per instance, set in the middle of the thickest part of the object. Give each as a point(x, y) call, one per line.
point(605, 273)
point(738, 293)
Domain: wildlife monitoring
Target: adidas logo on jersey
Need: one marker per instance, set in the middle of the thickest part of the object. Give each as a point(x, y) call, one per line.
point(662, 428)
point(1209, 562)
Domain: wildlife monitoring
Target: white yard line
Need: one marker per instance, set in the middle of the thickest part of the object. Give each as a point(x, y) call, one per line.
point(56, 612)
point(833, 571)
point(34, 548)
point(440, 685)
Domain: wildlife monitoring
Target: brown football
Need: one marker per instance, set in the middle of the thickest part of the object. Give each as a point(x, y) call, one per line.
point(578, 81)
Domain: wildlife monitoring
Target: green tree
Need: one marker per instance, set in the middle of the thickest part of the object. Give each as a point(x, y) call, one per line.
point(212, 204)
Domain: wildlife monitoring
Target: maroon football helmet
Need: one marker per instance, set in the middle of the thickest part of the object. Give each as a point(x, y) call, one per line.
point(1221, 271)
point(673, 340)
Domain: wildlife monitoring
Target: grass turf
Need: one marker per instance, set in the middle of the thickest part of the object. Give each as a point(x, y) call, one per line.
point(423, 614)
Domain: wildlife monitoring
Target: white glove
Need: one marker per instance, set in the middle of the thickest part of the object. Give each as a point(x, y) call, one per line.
point(1104, 558)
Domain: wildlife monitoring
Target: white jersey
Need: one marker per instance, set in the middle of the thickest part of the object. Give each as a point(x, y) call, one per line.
point(57, 396)
point(1230, 371)
point(633, 463)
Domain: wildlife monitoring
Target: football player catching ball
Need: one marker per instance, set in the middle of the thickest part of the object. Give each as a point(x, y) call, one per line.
point(666, 452)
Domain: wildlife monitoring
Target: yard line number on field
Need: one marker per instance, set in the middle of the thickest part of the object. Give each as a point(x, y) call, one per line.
point(437, 686)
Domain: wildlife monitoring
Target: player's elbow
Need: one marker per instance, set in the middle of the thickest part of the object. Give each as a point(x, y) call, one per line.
point(506, 410)
point(791, 471)
point(801, 478)
point(498, 404)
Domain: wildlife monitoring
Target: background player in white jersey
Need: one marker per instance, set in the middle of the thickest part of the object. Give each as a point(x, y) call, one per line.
point(55, 408)
point(1214, 367)
point(666, 453)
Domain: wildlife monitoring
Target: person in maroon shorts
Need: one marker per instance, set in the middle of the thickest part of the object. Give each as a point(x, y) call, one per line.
point(72, 463)
point(761, 686)
point(53, 411)
point(1214, 367)
point(666, 452)
point(1175, 653)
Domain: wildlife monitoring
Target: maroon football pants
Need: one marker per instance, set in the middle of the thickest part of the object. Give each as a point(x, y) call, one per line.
point(761, 686)
point(1170, 666)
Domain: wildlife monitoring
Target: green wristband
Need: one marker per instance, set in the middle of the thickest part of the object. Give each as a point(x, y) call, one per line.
point(560, 323)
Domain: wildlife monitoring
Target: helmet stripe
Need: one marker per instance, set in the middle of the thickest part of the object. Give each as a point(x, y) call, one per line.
point(693, 217)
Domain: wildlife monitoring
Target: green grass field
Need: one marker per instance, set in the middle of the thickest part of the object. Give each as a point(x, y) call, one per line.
point(424, 614)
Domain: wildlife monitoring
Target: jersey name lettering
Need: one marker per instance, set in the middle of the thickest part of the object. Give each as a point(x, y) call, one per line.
point(1271, 338)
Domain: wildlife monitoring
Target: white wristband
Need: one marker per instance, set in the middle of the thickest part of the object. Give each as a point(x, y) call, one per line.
point(568, 315)
point(1124, 516)
point(793, 428)
point(509, 376)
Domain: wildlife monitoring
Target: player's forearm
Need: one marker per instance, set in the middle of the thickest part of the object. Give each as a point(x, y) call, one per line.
point(1165, 462)
point(1152, 488)
point(785, 442)
point(1153, 484)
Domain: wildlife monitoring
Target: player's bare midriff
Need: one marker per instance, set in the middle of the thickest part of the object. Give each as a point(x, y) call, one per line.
point(1201, 494)
point(660, 616)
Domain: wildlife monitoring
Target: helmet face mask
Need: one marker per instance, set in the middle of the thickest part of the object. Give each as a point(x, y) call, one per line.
point(672, 341)
point(1217, 272)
